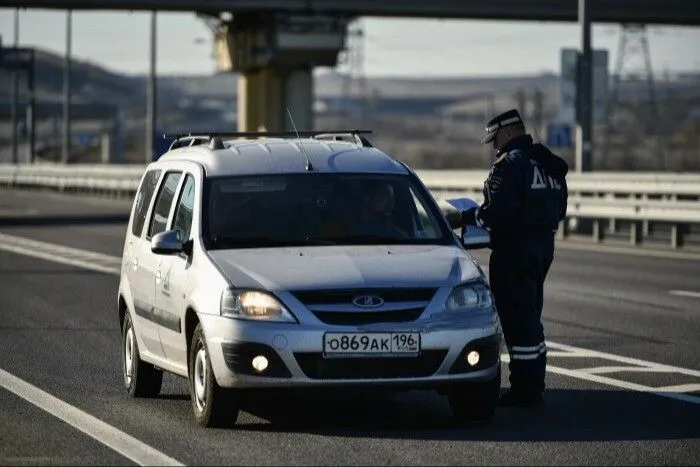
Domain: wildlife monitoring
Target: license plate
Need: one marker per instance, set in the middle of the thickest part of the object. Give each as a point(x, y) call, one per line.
point(371, 343)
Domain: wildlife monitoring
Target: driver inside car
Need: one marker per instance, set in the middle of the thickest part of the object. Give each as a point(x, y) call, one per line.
point(375, 214)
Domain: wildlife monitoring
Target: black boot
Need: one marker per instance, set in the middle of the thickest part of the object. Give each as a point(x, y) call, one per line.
point(519, 398)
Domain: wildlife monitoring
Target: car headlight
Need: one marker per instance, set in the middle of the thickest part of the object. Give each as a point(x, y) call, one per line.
point(468, 297)
point(254, 305)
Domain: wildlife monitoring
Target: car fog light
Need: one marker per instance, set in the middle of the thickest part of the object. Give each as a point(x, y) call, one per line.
point(473, 357)
point(260, 363)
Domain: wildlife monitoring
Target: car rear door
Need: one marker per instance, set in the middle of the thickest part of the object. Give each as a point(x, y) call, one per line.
point(140, 288)
point(149, 317)
point(174, 271)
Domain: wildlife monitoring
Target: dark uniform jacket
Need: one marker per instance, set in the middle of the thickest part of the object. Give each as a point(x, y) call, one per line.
point(525, 195)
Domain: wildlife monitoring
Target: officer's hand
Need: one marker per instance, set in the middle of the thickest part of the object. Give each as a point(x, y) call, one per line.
point(469, 216)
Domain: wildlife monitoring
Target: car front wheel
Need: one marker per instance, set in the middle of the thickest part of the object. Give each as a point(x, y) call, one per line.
point(213, 405)
point(475, 401)
point(141, 379)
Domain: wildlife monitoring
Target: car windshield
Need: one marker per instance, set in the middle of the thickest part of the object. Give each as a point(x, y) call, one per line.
point(319, 209)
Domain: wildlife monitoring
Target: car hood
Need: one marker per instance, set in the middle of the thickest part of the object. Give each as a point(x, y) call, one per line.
point(330, 267)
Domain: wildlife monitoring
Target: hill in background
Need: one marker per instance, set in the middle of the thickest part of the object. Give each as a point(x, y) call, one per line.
point(432, 122)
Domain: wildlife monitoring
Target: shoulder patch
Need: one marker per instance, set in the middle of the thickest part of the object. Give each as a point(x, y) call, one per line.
point(494, 183)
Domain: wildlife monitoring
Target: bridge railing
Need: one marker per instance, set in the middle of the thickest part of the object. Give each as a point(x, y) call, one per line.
point(602, 199)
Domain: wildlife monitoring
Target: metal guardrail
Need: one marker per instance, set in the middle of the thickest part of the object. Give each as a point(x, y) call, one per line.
point(637, 198)
point(586, 184)
point(113, 179)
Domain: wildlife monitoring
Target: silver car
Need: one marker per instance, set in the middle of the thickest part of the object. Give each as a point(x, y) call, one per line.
point(299, 262)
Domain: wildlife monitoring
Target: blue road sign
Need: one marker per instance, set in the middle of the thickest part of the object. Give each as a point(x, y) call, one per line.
point(85, 139)
point(560, 135)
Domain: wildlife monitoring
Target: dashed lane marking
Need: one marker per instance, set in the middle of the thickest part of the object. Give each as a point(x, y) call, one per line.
point(684, 293)
point(61, 254)
point(115, 439)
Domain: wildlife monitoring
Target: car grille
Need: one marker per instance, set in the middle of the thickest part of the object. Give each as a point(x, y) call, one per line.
point(315, 366)
point(356, 318)
point(416, 299)
point(346, 296)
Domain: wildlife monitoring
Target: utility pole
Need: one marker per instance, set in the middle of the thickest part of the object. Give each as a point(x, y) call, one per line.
point(31, 108)
point(152, 99)
point(66, 146)
point(521, 103)
point(355, 79)
point(633, 47)
point(584, 94)
point(15, 96)
point(537, 113)
point(489, 113)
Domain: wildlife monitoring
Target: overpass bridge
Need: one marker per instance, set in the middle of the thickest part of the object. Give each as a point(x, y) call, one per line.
point(275, 44)
point(671, 12)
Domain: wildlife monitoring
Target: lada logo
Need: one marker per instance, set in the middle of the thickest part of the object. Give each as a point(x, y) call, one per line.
point(368, 301)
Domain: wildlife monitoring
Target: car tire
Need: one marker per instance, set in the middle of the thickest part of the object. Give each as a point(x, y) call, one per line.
point(472, 402)
point(141, 379)
point(213, 405)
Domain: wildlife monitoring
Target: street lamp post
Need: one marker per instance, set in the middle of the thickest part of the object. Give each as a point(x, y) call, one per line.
point(66, 146)
point(152, 100)
point(15, 96)
point(584, 101)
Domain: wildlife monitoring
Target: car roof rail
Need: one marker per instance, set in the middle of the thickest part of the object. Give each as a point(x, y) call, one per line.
point(189, 140)
point(215, 142)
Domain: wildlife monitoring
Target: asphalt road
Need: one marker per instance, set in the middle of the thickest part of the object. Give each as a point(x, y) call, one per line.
point(59, 335)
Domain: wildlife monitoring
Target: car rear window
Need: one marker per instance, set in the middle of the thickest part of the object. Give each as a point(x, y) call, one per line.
point(143, 200)
point(161, 210)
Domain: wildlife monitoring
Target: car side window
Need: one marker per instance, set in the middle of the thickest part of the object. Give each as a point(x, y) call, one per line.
point(159, 219)
point(184, 209)
point(425, 224)
point(143, 200)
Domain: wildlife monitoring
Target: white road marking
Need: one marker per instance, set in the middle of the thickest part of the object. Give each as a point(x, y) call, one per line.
point(623, 384)
point(599, 370)
point(692, 387)
point(61, 254)
point(591, 374)
point(621, 359)
point(115, 439)
point(685, 293)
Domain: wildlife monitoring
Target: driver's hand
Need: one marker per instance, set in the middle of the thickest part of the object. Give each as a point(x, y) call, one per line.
point(452, 214)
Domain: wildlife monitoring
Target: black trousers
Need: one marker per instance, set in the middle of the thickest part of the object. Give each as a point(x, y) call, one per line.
point(517, 274)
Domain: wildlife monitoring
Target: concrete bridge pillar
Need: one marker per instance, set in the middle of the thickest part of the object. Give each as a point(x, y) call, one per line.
point(265, 95)
point(275, 55)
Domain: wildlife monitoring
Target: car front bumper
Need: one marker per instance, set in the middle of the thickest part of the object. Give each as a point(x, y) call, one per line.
point(295, 356)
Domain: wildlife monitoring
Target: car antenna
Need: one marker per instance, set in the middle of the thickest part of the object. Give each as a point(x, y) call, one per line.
point(309, 167)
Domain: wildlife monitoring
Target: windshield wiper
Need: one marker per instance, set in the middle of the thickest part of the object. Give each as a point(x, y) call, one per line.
point(311, 240)
point(262, 242)
point(248, 242)
point(371, 239)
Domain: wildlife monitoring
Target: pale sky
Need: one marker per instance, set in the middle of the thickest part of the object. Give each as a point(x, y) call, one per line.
point(393, 47)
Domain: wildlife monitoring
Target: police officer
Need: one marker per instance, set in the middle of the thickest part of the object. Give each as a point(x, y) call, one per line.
point(525, 199)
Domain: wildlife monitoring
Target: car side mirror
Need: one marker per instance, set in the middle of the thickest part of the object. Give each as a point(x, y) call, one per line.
point(167, 243)
point(474, 237)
